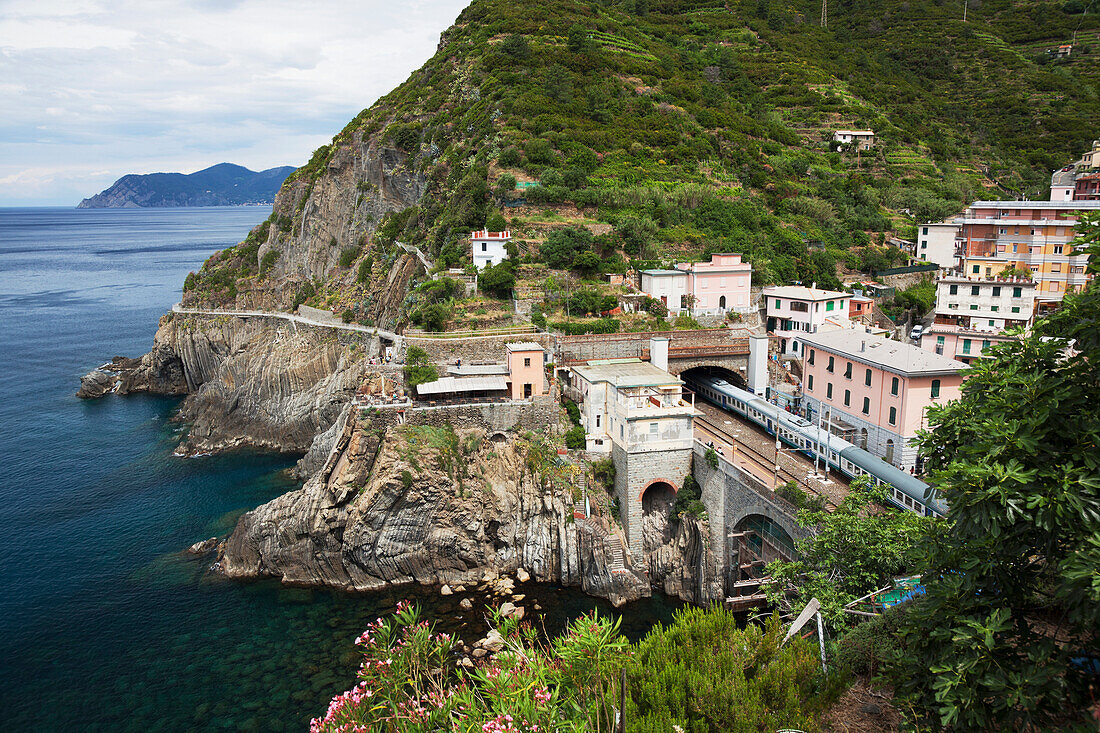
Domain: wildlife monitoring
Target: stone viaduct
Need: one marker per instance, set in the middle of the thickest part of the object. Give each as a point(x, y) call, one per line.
point(687, 349)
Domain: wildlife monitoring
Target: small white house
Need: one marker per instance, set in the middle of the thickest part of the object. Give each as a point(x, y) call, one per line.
point(855, 139)
point(489, 248)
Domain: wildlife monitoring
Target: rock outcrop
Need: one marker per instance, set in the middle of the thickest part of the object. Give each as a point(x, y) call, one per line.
point(425, 505)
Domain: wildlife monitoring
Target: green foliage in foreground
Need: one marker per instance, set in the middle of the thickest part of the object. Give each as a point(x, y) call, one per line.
point(1013, 590)
point(702, 673)
point(852, 553)
point(575, 438)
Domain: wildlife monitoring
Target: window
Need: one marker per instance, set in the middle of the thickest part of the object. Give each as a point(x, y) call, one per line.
point(778, 303)
point(829, 391)
point(1017, 292)
point(1057, 249)
point(1015, 309)
point(829, 305)
point(1004, 230)
point(924, 245)
point(974, 289)
point(810, 383)
point(953, 306)
point(925, 230)
point(974, 307)
point(936, 388)
point(977, 269)
point(966, 346)
point(830, 367)
point(893, 416)
point(996, 291)
point(812, 352)
point(598, 416)
point(954, 290)
point(867, 378)
point(848, 371)
point(847, 397)
point(866, 405)
point(895, 382)
point(995, 308)
point(653, 430)
point(526, 361)
point(985, 345)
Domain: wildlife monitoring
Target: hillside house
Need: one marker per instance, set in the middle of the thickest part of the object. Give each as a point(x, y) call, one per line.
point(714, 287)
point(855, 139)
point(489, 248)
point(794, 310)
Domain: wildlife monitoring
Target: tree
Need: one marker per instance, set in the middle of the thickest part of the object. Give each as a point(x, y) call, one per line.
point(578, 41)
point(558, 85)
point(433, 317)
point(1013, 593)
point(419, 368)
point(590, 302)
point(562, 245)
point(505, 184)
point(497, 280)
point(587, 262)
point(852, 553)
point(496, 222)
point(516, 46)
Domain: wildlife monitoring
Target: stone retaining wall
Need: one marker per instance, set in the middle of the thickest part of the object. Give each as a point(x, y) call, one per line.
point(534, 414)
point(475, 348)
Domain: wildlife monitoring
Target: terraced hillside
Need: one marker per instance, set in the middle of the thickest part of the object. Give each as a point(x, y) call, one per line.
point(671, 129)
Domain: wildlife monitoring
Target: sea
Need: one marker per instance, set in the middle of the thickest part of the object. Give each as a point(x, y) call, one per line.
point(106, 624)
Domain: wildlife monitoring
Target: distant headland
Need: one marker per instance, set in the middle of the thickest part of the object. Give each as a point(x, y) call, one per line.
point(224, 184)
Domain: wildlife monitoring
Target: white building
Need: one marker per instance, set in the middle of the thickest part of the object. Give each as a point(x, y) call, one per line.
point(973, 315)
point(936, 243)
point(668, 286)
point(793, 310)
point(489, 248)
point(855, 139)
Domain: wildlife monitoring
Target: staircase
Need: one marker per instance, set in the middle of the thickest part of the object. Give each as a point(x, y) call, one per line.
point(615, 551)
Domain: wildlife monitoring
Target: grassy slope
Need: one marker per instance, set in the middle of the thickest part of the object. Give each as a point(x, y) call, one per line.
point(691, 128)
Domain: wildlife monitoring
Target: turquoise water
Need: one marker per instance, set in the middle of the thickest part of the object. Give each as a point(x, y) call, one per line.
point(104, 624)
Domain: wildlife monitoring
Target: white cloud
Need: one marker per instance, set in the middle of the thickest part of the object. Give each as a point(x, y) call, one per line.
point(92, 91)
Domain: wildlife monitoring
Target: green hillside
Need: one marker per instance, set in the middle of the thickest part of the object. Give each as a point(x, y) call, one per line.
point(699, 126)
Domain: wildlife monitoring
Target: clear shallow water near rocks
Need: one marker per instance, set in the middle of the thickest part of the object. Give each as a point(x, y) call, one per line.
point(104, 623)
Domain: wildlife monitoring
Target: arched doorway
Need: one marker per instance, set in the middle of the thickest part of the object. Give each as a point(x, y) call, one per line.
point(722, 302)
point(890, 451)
point(657, 500)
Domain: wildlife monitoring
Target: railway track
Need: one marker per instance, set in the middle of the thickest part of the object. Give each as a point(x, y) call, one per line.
point(792, 467)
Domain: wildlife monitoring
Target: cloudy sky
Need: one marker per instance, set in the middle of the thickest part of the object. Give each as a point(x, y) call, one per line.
point(91, 90)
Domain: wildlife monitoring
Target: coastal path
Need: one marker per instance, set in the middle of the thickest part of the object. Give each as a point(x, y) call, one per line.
point(318, 321)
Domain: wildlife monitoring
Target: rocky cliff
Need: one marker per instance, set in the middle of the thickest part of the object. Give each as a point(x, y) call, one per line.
point(434, 506)
point(248, 382)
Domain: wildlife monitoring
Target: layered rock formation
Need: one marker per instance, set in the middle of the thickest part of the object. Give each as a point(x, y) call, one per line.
point(427, 505)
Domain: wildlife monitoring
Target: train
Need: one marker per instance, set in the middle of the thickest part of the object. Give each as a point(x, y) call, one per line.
point(903, 490)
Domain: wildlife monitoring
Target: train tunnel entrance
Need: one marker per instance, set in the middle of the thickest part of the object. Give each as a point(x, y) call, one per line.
point(732, 377)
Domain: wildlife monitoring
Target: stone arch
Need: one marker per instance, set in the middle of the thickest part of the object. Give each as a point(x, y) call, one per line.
point(786, 523)
point(498, 436)
point(722, 302)
point(713, 370)
point(657, 485)
point(770, 528)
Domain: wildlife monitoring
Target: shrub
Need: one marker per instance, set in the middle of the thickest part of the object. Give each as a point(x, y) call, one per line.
point(433, 317)
point(704, 672)
point(603, 325)
point(363, 275)
point(516, 46)
point(572, 410)
point(268, 261)
point(510, 157)
point(603, 471)
point(562, 245)
point(505, 185)
point(711, 457)
point(688, 499)
point(497, 280)
point(495, 222)
point(348, 315)
point(866, 648)
point(654, 307)
point(575, 437)
point(348, 255)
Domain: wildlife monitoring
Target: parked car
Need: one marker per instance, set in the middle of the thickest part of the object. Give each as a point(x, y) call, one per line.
point(916, 332)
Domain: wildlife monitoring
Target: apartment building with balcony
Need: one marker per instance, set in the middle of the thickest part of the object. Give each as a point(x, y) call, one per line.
point(1024, 235)
point(874, 392)
point(936, 243)
point(634, 404)
point(972, 315)
point(794, 310)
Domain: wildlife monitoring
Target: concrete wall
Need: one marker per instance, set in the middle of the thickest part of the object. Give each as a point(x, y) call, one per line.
point(535, 415)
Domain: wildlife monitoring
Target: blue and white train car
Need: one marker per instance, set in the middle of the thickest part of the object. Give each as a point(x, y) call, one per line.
point(905, 491)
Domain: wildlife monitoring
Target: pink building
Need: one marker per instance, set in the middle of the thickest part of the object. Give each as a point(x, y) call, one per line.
point(874, 392)
point(719, 285)
point(713, 287)
point(526, 375)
